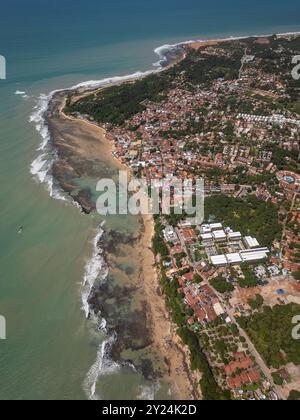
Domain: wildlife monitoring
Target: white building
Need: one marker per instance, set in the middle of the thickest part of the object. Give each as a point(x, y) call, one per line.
point(170, 234)
point(255, 255)
point(216, 226)
point(251, 242)
point(234, 236)
point(250, 256)
point(234, 258)
point(219, 235)
point(219, 260)
point(205, 229)
point(218, 308)
point(207, 238)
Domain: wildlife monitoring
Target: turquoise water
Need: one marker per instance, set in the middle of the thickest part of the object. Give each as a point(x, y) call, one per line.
point(50, 346)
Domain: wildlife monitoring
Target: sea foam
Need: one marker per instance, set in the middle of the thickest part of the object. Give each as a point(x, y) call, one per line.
point(96, 269)
point(22, 94)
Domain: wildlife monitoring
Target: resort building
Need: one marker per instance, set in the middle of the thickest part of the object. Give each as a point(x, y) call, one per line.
point(251, 242)
point(205, 229)
point(234, 258)
point(253, 255)
point(219, 236)
point(219, 260)
point(207, 238)
point(234, 236)
point(216, 226)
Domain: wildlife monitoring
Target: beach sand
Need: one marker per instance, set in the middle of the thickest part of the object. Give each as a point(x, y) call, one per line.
point(201, 44)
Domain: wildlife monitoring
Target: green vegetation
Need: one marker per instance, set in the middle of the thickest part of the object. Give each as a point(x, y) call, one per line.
point(250, 279)
point(297, 275)
point(221, 285)
point(256, 303)
point(271, 333)
point(158, 244)
point(209, 387)
point(197, 279)
point(117, 104)
point(202, 68)
point(294, 395)
point(277, 378)
point(284, 159)
point(250, 216)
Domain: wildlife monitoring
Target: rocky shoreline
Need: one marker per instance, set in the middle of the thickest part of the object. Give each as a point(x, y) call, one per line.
point(144, 334)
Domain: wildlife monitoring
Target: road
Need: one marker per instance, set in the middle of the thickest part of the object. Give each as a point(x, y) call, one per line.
point(284, 225)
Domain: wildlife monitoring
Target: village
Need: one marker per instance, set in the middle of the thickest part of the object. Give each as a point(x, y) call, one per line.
point(228, 278)
point(237, 153)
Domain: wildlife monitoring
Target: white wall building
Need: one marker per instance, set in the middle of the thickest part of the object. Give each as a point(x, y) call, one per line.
point(219, 235)
point(251, 242)
point(234, 236)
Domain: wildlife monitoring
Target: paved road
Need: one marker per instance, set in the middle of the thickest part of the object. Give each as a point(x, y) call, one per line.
point(284, 225)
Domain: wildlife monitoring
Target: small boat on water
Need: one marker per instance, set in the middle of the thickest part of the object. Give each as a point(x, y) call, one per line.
point(20, 230)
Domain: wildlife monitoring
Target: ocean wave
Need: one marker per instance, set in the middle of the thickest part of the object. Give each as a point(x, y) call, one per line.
point(96, 269)
point(102, 366)
point(41, 167)
point(22, 94)
point(163, 51)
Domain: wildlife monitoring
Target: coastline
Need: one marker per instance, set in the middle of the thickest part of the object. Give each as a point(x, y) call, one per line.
point(162, 327)
point(165, 340)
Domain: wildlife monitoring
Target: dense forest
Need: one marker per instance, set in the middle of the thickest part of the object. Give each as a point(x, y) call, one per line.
point(250, 216)
point(271, 332)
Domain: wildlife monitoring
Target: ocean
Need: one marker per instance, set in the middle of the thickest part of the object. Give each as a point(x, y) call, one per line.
point(52, 351)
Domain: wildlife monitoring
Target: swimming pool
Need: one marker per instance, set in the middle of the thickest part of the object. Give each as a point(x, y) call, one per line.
point(289, 179)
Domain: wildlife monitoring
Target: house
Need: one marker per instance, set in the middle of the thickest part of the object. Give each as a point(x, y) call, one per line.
point(170, 234)
point(188, 235)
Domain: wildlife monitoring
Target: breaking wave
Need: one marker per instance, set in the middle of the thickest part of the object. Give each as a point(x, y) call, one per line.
point(22, 94)
point(102, 366)
point(96, 270)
